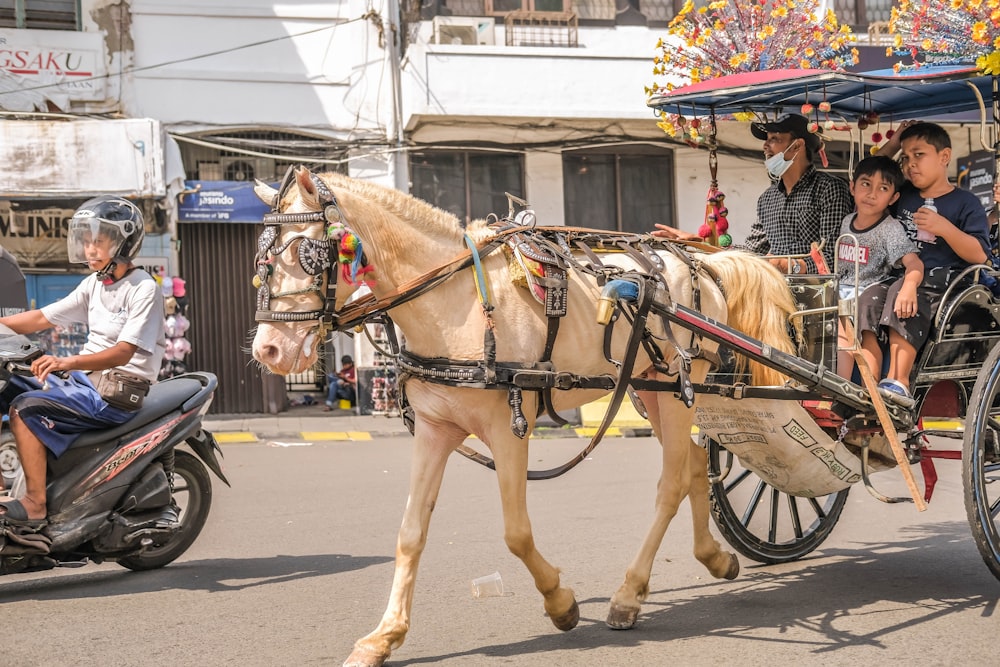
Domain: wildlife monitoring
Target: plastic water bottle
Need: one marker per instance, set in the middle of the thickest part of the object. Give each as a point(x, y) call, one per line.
point(923, 235)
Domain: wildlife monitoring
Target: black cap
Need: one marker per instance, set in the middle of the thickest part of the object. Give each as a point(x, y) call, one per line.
point(793, 124)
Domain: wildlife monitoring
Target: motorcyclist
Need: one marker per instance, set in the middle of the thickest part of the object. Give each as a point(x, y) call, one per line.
point(123, 308)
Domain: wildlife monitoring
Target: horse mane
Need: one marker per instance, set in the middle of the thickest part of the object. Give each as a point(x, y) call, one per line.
point(759, 304)
point(422, 216)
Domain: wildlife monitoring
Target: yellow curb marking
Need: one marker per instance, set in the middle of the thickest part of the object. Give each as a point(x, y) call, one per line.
point(324, 435)
point(588, 431)
point(235, 436)
point(355, 436)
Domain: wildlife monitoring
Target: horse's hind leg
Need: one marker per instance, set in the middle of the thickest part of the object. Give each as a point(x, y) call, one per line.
point(431, 449)
point(721, 564)
point(511, 456)
point(672, 425)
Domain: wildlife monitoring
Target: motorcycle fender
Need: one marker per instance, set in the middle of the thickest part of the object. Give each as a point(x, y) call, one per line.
point(204, 445)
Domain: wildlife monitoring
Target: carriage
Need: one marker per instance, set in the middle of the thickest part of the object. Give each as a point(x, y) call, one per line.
point(956, 378)
point(505, 319)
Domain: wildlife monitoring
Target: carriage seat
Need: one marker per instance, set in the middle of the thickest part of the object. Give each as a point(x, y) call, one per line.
point(965, 329)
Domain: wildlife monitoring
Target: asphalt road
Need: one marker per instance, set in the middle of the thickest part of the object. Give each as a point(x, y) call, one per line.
point(296, 563)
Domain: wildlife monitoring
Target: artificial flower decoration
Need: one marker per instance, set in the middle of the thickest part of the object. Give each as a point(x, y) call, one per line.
point(946, 32)
point(731, 36)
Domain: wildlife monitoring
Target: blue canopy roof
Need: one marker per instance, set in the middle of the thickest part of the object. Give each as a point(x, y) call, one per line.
point(925, 93)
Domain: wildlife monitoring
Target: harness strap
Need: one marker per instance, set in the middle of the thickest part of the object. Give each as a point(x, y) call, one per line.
point(472, 374)
point(357, 311)
point(621, 386)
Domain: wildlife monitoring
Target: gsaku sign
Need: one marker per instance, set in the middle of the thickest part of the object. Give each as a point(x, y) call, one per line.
point(55, 62)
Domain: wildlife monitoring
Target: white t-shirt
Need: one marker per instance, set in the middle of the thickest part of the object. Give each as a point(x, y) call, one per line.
point(129, 310)
point(880, 249)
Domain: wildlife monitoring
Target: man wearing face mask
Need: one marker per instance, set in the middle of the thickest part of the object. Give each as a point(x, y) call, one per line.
point(801, 206)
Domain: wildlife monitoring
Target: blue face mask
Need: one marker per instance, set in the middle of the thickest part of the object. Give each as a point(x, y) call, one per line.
point(777, 165)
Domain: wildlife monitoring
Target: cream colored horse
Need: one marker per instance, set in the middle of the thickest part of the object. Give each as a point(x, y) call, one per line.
point(403, 238)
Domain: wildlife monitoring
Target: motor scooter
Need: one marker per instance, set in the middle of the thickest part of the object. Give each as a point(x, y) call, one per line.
point(127, 494)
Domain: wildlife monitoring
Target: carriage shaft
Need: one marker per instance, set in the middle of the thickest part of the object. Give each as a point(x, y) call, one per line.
point(810, 374)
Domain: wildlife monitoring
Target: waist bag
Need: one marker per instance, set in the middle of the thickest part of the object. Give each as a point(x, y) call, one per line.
point(122, 390)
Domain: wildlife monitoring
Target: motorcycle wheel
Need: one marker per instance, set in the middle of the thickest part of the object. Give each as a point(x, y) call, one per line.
point(193, 495)
point(10, 464)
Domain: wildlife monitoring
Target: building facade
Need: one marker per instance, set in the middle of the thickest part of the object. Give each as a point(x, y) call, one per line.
point(456, 101)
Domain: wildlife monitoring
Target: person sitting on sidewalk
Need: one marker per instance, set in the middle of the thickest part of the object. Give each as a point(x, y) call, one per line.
point(342, 385)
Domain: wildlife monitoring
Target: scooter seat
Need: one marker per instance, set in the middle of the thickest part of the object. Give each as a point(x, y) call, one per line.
point(164, 397)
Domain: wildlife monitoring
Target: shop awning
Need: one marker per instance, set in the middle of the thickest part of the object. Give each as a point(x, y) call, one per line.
point(52, 159)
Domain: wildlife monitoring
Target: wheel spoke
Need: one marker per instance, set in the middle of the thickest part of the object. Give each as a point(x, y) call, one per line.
point(793, 513)
point(772, 529)
point(994, 509)
point(754, 502)
point(736, 482)
point(819, 509)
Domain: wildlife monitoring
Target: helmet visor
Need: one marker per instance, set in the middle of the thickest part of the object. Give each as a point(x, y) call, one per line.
point(92, 238)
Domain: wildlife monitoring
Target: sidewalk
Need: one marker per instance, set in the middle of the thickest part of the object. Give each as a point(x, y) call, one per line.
point(312, 423)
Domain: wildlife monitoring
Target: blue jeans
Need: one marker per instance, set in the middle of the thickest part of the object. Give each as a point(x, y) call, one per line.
point(339, 391)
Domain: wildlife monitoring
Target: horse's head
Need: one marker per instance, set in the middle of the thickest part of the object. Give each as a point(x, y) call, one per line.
point(296, 271)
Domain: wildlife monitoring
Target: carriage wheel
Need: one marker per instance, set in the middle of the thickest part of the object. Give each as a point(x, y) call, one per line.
point(761, 522)
point(981, 462)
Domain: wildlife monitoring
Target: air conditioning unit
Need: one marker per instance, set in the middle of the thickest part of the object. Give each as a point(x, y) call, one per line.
point(469, 30)
point(246, 168)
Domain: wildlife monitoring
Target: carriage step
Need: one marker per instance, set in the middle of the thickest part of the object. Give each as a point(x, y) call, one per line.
point(943, 428)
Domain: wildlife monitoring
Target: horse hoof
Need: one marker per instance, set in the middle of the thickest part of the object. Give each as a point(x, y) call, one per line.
point(734, 568)
point(568, 620)
point(622, 618)
point(361, 657)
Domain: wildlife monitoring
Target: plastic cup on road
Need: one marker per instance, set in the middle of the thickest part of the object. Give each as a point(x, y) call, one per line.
point(489, 586)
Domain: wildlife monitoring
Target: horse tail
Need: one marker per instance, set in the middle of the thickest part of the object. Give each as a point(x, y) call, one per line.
point(759, 304)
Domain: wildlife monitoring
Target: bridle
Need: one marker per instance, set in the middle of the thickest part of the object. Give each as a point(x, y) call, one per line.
point(314, 255)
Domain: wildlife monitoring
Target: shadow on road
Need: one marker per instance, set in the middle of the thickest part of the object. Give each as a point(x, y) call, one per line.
point(801, 603)
point(219, 574)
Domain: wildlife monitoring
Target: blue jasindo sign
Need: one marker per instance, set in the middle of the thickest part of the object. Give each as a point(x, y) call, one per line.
point(220, 201)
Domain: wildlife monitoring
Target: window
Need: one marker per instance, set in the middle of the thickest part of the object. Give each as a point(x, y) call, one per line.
point(623, 191)
point(860, 13)
point(40, 14)
point(470, 185)
point(501, 7)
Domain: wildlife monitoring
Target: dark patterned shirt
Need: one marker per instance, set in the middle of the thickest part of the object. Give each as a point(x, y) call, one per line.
point(788, 223)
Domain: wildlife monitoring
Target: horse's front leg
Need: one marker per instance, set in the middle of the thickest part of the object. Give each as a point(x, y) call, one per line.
point(511, 456)
point(431, 448)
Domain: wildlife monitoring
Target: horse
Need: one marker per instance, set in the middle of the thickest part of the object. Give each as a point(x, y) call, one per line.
point(457, 300)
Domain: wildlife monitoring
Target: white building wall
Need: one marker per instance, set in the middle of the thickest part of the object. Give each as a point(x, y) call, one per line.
point(319, 68)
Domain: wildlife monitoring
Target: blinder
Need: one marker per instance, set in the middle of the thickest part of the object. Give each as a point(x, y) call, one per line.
point(313, 255)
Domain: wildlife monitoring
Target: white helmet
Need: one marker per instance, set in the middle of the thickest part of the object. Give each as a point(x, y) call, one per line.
point(113, 217)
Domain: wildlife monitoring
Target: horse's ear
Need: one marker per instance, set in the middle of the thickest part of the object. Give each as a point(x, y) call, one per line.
point(265, 192)
point(307, 189)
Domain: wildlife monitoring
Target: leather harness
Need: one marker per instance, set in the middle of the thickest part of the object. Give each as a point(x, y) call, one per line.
point(552, 247)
